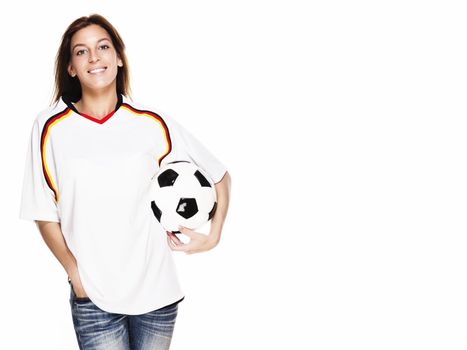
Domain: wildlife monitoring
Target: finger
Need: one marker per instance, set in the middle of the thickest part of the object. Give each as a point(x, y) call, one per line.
point(187, 231)
point(170, 243)
point(174, 238)
point(180, 248)
point(192, 247)
point(175, 244)
point(183, 229)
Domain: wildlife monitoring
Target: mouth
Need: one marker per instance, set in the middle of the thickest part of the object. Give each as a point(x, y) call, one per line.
point(97, 70)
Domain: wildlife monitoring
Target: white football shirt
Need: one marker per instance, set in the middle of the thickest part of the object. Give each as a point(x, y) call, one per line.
point(94, 177)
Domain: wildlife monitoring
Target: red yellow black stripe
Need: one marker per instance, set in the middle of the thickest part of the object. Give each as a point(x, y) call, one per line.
point(67, 112)
point(44, 137)
point(157, 118)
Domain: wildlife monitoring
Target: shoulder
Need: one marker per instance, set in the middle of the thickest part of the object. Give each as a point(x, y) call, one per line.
point(138, 106)
point(54, 110)
point(141, 108)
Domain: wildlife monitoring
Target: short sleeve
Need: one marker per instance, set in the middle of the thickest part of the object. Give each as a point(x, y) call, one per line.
point(38, 200)
point(187, 147)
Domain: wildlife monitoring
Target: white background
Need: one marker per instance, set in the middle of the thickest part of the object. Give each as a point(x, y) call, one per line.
point(343, 126)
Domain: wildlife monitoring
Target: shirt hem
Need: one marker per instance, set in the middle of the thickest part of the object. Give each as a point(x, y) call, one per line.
point(139, 312)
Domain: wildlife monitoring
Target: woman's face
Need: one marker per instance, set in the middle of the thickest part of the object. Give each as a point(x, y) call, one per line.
point(93, 58)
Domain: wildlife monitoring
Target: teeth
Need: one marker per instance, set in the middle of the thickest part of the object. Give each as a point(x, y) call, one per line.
point(97, 70)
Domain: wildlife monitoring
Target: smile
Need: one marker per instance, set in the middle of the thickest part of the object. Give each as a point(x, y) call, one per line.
point(97, 70)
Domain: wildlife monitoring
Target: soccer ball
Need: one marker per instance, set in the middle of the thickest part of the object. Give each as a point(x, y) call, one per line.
point(184, 196)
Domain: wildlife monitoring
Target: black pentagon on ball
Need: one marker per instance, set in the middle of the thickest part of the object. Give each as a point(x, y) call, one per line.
point(202, 179)
point(167, 178)
point(187, 207)
point(213, 211)
point(157, 212)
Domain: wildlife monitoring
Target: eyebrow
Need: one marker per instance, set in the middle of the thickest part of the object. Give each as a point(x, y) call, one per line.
point(85, 45)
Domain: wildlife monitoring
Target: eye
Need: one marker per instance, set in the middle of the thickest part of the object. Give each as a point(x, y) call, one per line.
point(79, 52)
point(105, 46)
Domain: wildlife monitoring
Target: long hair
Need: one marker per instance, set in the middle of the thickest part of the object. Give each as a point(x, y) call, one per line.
point(64, 83)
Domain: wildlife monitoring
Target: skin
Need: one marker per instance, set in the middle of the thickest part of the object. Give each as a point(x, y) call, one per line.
point(92, 47)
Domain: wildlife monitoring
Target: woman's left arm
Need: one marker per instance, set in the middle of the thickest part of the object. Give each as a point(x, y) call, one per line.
point(200, 242)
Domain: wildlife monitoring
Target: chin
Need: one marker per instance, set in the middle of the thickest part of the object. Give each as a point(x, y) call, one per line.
point(100, 85)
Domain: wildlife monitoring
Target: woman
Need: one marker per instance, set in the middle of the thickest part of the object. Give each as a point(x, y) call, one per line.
point(87, 185)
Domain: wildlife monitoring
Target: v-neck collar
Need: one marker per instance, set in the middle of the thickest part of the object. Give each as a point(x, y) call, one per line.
point(70, 105)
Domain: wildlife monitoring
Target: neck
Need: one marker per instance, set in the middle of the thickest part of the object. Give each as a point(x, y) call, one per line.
point(97, 104)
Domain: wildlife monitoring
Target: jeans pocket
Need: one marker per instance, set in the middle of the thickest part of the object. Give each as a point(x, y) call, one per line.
point(73, 296)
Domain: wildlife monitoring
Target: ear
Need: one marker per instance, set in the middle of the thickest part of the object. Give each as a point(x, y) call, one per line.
point(71, 71)
point(119, 62)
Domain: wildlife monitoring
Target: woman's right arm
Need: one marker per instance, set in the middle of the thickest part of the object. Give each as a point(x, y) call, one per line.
point(52, 234)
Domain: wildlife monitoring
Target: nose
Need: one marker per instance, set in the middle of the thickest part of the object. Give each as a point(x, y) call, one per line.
point(93, 56)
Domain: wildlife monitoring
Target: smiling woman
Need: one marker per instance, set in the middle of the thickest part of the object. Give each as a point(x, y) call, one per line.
point(88, 183)
point(95, 63)
point(90, 64)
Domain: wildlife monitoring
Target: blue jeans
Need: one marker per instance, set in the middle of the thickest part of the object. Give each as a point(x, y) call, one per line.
point(100, 330)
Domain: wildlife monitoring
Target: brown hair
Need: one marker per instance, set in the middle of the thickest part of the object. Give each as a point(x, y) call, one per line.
point(64, 83)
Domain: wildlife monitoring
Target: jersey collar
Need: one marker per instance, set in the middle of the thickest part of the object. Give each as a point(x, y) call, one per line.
point(68, 101)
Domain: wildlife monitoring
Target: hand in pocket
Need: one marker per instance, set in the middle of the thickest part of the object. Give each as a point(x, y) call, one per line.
point(76, 284)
